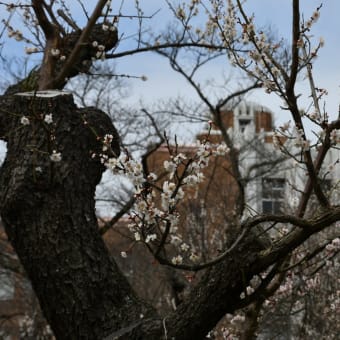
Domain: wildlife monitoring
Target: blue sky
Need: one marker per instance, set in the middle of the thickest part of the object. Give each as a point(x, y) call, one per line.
point(163, 83)
point(276, 13)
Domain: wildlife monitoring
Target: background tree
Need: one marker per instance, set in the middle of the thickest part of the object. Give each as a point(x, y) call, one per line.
point(47, 186)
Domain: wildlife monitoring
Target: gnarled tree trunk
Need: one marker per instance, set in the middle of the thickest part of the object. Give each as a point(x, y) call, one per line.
point(49, 214)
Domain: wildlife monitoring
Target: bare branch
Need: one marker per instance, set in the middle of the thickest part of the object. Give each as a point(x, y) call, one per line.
point(68, 20)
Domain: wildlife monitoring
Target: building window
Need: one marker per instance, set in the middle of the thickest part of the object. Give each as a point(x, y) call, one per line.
point(273, 195)
point(243, 123)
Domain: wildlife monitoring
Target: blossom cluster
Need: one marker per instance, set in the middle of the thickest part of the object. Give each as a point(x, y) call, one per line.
point(313, 281)
point(100, 54)
point(334, 246)
point(16, 34)
point(28, 328)
point(155, 217)
point(296, 135)
point(30, 50)
point(311, 21)
point(301, 140)
point(27, 18)
point(250, 48)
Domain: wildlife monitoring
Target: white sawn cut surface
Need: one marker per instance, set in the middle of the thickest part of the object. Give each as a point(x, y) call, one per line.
point(44, 94)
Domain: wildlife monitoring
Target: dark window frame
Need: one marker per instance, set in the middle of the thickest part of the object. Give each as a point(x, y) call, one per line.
point(273, 190)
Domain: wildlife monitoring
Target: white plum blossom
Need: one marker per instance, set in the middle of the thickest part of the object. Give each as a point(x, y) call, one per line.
point(316, 15)
point(250, 290)
point(170, 166)
point(237, 319)
point(179, 158)
point(123, 254)
point(55, 52)
point(111, 163)
point(177, 259)
point(180, 194)
point(30, 50)
point(166, 196)
point(141, 206)
point(137, 236)
point(334, 245)
point(276, 140)
point(108, 138)
point(185, 247)
point(335, 136)
point(134, 171)
point(285, 127)
point(321, 42)
point(48, 118)
point(255, 281)
point(150, 238)
point(99, 55)
point(241, 61)
point(152, 177)
point(25, 120)
point(175, 240)
point(193, 257)
point(221, 150)
point(193, 180)
point(301, 141)
point(204, 150)
point(17, 35)
point(55, 156)
point(168, 187)
point(174, 221)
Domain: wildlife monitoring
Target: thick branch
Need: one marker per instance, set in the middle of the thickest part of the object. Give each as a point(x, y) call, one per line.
point(73, 58)
point(44, 23)
point(219, 291)
point(296, 237)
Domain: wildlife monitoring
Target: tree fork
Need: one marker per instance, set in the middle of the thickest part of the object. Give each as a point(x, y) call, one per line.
point(48, 210)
